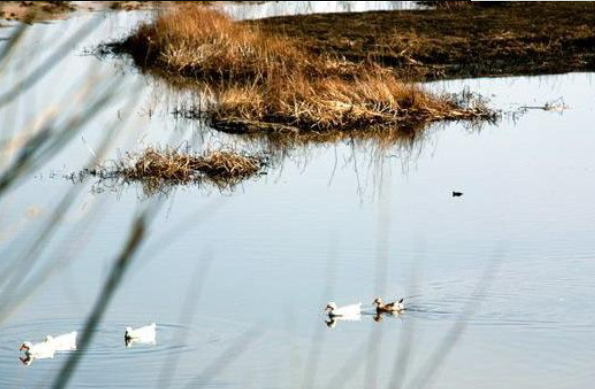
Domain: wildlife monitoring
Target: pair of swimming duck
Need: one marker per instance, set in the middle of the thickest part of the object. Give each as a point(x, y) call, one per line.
point(67, 342)
point(356, 309)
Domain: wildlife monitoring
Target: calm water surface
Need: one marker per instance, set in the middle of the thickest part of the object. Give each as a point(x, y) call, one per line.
point(342, 222)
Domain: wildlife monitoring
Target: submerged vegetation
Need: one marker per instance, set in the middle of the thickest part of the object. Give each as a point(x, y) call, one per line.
point(268, 82)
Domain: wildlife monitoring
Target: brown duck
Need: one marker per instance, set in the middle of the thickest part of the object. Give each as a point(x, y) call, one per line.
point(392, 307)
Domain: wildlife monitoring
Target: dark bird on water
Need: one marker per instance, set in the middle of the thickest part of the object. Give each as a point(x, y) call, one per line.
point(457, 194)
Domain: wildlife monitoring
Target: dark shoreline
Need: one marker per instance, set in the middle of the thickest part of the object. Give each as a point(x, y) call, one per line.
point(522, 38)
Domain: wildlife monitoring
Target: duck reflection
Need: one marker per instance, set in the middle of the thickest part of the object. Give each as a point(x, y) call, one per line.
point(379, 316)
point(331, 322)
point(132, 342)
point(28, 359)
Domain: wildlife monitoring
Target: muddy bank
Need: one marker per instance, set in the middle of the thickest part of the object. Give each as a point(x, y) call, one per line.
point(521, 38)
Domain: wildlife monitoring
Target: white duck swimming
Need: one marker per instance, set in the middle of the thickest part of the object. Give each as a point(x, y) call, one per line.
point(40, 350)
point(64, 342)
point(348, 311)
point(146, 334)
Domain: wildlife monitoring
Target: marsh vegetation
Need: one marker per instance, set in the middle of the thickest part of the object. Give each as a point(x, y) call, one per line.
point(160, 170)
point(247, 193)
point(268, 82)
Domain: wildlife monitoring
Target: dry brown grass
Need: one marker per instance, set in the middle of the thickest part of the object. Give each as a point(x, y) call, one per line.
point(173, 165)
point(199, 41)
point(372, 100)
point(202, 42)
point(266, 82)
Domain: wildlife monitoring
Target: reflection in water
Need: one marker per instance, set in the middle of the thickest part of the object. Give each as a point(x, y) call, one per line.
point(366, 152)
point(331, 322)
point(155, 187)
point(131, 342)
point(28, 359)
point(379, 316)
point(368, 148)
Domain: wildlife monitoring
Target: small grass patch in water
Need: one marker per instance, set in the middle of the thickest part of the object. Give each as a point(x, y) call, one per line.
point(164, 167)
point(174, 165)
point(300, 104)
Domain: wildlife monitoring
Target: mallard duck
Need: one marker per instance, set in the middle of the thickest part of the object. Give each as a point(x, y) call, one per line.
point(146, 334)
point(395, 306)
point(65, 342)
point(352, 310)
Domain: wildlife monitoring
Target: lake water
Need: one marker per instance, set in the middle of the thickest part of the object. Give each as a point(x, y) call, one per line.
point(342, 222)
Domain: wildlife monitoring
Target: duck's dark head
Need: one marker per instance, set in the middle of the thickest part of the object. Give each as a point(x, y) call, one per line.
point(330, 307)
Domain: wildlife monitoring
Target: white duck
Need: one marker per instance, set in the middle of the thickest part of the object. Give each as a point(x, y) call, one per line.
point(348, 311)
point(64, 342)
point(146, 334)
point(40, 350)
